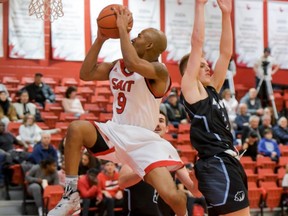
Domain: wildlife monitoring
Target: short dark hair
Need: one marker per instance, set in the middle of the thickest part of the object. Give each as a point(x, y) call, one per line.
point(93, 171)
point(38, 75)
point(69, 90)
point(267, 49)
point(183, 64)
point(166, 118)
point(253, 134)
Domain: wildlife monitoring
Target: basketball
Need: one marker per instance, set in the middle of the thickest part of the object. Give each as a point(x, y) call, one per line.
point(106, 21)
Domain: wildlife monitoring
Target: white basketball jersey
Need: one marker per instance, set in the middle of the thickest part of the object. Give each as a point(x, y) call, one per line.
point(134, 103)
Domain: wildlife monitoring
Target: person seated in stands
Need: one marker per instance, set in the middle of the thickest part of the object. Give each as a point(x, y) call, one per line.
point(268, 146)
point(38, 177)
point(87, 162)
point(23, 106)
point(39, 91)
point(250, 146)
point(265, 124)
point(7, 110)
point(253, 102)
point(3, 88)
point(231, 104)
point(7, 142)
point(108, 182)
point(43, 150)
point(253, 126)
point(89, 190)
point(269, 111)
point(175, 110)
point(242, 118)
point(71, 103)
point(30, 132)
point(280, 131)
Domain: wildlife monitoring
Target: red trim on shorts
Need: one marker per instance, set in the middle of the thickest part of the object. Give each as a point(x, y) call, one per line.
point(163, 163)
point(104, 152)
point(153, 93)
point(123, 69)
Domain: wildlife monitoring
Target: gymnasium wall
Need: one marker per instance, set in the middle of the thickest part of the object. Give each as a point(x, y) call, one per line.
point(58, 68)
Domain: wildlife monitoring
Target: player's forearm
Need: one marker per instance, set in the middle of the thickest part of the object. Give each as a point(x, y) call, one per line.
point(226, 41)
point(128, 180)
point(91, 61)
point(129, 53)
point(197, 39)
point(183, 176)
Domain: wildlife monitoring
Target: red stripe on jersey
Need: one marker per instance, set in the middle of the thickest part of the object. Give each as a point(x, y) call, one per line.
point(164, 163)
point(153, 93)
point(123, 69)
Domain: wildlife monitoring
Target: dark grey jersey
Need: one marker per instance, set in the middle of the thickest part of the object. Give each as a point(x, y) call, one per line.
point(210, 128)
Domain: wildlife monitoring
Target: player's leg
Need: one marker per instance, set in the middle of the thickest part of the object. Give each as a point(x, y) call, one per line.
point(79, 134)
point(161, 179)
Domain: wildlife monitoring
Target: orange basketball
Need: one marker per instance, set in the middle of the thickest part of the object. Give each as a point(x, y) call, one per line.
point(107, 21)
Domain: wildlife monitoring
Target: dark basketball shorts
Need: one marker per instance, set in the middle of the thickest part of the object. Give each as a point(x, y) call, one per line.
point(223, 183)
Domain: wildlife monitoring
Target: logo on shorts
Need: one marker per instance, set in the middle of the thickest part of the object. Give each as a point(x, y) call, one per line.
point(239, 197)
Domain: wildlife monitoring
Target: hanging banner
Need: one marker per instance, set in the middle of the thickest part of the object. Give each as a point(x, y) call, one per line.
point(179, 20)
point(213, 29)
point(248, 31)
point(278, 32)
point(111, 49)
point(1, 31)
point(26, 33)
point(146, 14)
point(68, 33)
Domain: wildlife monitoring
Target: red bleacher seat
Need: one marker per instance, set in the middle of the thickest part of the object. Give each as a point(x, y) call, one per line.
point(265, 162)
point(69, 82)
point(184, 128)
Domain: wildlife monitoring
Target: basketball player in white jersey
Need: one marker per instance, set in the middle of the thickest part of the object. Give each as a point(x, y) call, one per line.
point(138, 82)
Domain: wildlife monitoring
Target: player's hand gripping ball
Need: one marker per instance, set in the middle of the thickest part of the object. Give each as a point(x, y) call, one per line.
point(107, 21)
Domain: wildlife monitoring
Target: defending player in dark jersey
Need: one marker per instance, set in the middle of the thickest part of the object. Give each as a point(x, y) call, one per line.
point(221, 177)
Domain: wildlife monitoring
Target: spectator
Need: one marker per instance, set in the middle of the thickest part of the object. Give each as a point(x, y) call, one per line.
point(40, 92)
point(108, 182)
point(280, 131)
point(71, 103)
point(38, 176)
point(269, 111)
point(89, 190)
point(7, 110)
point(242, 118)
point(87, 162)
point(3, 88)
point(267, 62)
point(30, 132)
point(24, 107)
point(250, 145)
point(268, 146)
point(175, 111)
point(285, 179)
point(230, 103)
point(7, 142)
point(62, 174)
point(43, 150)
point(253, 102)
point(265, 124)
point(253, 126)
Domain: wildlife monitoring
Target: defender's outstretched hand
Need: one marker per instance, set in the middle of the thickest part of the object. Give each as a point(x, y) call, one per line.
point(225, 5)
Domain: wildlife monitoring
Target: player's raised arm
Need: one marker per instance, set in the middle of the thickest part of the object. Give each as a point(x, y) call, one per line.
point(91, 69)
point(141, 54)
point(190, 82)
point(226, 45)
